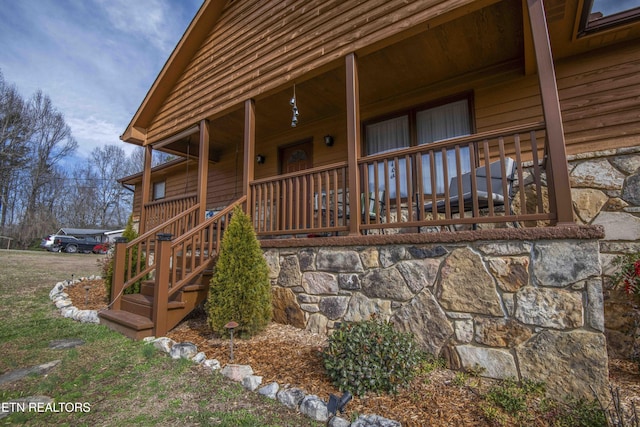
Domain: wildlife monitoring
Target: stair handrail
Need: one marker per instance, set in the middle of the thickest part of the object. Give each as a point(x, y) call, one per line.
point(217, 222)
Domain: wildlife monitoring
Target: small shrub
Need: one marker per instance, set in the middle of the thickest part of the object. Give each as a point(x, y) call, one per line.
point(240, 288)
point(129, 233)
point(628, 273)
point(370, 356)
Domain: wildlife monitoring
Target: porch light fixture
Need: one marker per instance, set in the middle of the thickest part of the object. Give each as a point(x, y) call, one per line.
point(260, 159)
point(294, 108)
point(328, 140)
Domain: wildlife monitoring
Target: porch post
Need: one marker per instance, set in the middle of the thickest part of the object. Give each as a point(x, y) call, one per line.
point(146, 188)
point(353, 141)
point(249, 151)
point(160, 311)
point(203, 169)
point(559, 185)
point(117, 278)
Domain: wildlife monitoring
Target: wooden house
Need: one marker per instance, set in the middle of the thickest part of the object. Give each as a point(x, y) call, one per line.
point(367, 123)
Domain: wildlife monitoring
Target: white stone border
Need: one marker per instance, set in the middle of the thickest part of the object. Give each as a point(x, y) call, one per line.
point(62, 301)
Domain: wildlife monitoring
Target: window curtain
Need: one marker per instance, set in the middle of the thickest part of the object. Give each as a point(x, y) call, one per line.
point(384, 136)
point(437, 124)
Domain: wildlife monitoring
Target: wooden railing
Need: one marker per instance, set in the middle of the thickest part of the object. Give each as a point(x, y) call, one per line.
point(160, 211)
point(464, 180)
point(305, 202)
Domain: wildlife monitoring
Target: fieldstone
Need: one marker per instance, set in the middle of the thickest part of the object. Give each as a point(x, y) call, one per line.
point(236, 372)
point(595, 305)
point(562, 263)
point(18, 374)
point(569, 363)
point(531, 204)
point(349, 282)
point(313, 407)
point(320, 283)
point(619, 225)
point(308, 299)
point(183, 350)
point(374, 421)
point(289, 275)
point(419, 273)
point(505, 248)
point(463, 330)
point(65, 343)
point(389, 255)
point(426, 320)
point(251, 382)
point(512, 273)
point(341, 261)
point(362, 308)
point(310, 308)
point(549, 308)
point(631, 189)
point(596, 173)
point(211, 364)
point(69, 312)
point(369, 257)
point(63, 302)
point(270, 390)
point(286, 309)
point(495, 363)
point(307, 259)
point(509, 301)
point(501, 332)
point(427, 251)
point(199, 357)
point(587, 202)
point(615, 204)
point(57, 288)
point(317, 323)
point(627, 164)
point(467, 286)
point(385, 283)
point(164, 344)
point(291, 397)
point(12, 405)
point(272, 257)
point(86, 316)
point(338, 422)
point(334, 307)
point(620, 247)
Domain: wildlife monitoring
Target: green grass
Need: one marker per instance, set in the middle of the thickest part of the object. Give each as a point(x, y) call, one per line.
point(125, 382)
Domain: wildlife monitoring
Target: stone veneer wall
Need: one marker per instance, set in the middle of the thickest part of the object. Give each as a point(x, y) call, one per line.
point(514, 302)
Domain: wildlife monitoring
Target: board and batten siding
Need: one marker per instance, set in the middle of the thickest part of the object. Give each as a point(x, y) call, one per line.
point(257, 46)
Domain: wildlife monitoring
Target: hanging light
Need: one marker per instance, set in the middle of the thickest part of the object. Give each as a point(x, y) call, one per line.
point(294, 108)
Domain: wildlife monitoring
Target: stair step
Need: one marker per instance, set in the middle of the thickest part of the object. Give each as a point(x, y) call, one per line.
point(147, 300)
point(129, 324)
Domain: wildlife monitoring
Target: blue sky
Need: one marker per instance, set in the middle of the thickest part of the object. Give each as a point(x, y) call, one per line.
point(96, 59)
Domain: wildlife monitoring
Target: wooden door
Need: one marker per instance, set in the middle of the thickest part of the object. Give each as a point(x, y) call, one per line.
point(295, 212)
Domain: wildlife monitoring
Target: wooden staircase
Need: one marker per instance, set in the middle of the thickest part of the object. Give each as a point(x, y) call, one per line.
point(175, 266)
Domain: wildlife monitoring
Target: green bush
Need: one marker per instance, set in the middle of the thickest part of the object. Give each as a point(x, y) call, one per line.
point(240, 289)
point(371, 356)
point(129, 233)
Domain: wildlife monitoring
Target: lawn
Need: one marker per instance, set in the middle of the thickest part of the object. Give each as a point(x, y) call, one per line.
point(110, 379)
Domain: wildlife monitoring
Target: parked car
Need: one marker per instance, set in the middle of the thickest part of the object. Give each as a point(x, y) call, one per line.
point(101, 248)
point(72, 244)
point(47, 242)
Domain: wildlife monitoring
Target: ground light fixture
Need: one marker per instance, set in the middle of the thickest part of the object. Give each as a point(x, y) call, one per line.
point(230, 327)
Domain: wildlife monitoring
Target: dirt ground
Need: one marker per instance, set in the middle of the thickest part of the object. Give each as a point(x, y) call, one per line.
point(291, 356)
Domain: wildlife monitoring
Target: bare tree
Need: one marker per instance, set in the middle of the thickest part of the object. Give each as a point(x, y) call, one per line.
point(113, 200)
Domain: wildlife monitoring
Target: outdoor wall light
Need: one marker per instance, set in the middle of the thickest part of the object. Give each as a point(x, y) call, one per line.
point(328, 140)
point(260, 159)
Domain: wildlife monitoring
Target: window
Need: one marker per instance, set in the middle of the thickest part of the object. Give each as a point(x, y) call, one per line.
point(417, 127)
point(158, 190)
point(599, 15)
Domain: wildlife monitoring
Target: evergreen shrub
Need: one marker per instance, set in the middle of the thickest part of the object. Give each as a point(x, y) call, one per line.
point(129, 233)
point(240, 290)
point(371, 356)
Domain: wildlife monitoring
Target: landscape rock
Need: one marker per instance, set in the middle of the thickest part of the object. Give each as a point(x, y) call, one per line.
point(251, 382)
point(164, 344)
point(270, 390)
point(183, 350)
point(338, 422)
point(236, 372)
point(211, 364)
point(315, 408)
point(374, 421)
point(18, 374)
point(291, 397)
point(199, 357)
point(65, 343)
point(495, 363)
point(286, 309)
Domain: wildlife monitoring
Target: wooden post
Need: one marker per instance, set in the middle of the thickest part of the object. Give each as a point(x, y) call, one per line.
point(203, 169)
point(353, 142)
point(560, 191)
point(160, 311)
point(146, 188)
point(117, 279)
point(249, 151)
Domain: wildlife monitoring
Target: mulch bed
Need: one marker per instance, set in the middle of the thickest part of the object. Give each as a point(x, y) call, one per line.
point(291, 357)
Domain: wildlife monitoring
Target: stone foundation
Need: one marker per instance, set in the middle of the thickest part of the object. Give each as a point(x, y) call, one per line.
point(526, 308)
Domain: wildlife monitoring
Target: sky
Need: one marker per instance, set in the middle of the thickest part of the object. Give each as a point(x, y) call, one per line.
point(95, 59)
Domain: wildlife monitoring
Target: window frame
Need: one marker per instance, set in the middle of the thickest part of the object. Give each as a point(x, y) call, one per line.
point(618, 19)
point(155, 187)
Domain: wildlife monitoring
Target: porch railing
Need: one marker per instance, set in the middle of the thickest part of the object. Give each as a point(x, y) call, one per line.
point(490, 177)
point(160, 211)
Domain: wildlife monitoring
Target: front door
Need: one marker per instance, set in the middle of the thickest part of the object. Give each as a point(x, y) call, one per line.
point(295, 212)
